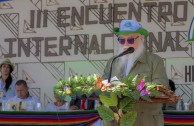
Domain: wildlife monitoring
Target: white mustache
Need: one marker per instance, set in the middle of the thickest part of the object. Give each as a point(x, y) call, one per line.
point(125, 47)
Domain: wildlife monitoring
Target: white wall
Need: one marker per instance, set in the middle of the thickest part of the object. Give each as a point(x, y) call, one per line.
point(44, 70)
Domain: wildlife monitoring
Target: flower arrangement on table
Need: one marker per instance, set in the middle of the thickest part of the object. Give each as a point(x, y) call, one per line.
point(118, 101)
point(78, 85)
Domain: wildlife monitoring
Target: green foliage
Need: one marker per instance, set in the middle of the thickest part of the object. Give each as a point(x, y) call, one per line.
point(68, 98)
point(89, 91)
point(127, 104)
point(109, 100)
point(78, 85)
point(154, 93)
point(146, 98)
point(105, 113)
point(128, 94)
point(118, 100)
point(128, 119)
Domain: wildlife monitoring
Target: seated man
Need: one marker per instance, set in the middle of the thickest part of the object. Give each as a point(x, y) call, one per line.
point(23, 96)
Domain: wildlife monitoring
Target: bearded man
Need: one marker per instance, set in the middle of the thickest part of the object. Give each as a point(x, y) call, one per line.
point(132, 34)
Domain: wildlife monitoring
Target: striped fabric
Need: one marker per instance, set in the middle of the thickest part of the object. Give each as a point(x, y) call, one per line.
point(80, 118)
point(178, 118)
point(73, 118)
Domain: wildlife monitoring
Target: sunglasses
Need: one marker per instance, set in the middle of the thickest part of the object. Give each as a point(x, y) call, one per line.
point(130, 41)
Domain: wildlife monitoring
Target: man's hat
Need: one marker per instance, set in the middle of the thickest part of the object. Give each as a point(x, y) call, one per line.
point(130, 27)
point(7, 62)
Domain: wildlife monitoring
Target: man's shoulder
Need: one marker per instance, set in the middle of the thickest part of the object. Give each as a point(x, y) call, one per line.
point(151, 55)
point(12, 98)
point(35, 98)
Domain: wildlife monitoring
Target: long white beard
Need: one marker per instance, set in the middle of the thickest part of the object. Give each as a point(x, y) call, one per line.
point(129, 58)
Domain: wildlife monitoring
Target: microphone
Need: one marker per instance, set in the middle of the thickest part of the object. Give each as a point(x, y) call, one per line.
point(129, 50)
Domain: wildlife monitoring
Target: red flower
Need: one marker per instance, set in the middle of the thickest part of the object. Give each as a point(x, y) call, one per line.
point(99, 83)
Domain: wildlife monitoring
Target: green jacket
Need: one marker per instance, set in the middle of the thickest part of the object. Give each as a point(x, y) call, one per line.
point(151, 66)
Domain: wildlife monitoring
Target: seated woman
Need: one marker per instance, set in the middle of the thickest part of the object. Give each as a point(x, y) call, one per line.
point(7, 81)
point(59, 104)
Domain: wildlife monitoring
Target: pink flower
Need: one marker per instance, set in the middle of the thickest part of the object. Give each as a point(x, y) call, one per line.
point(141, 87)
point(103, 88)
point(108, 85)
point(144, 92)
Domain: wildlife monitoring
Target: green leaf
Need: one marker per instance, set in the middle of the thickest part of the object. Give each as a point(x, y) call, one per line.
point(134, 80)
point(146, 98)
point(127, 104)
point(105, 113)
point(128, 93)
point(89, 91)
point(77, 89)
point(128, 80)
point(120, 112)
point(70, 81)
point(150, 87)
point(116, 89)
point(136, 95)
point(111, 100)
point(92, 79)
point(68, 98)
point(128, 119)
point(154, 93)
point(61, 82)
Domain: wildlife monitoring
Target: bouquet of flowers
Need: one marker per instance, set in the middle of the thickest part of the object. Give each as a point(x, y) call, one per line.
point(118, 101)
point(78, 85)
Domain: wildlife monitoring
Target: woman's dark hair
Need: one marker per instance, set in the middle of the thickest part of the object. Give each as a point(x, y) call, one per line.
point(172, 85)
point(8, 82)
point(11, 69)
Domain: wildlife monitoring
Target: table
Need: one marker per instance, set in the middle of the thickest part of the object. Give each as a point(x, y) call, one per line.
point(178, 118)
point(68, 118)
